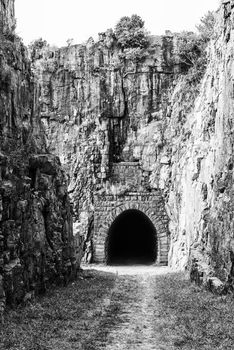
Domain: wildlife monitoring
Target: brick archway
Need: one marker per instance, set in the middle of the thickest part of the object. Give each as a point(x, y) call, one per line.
point(109, 209)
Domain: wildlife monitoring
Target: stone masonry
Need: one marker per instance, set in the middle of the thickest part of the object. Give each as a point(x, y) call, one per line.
point(108, 207)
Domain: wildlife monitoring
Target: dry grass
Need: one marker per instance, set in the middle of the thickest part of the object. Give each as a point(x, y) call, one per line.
point(194, 318)
point(62, 319)
point(82, 315)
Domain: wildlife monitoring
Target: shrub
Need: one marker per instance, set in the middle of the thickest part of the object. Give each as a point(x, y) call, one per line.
point(191, 48)
point(130, 32)
point(191, 55)
point(206, 26)
point(36, 46)
point(134, 54)
point(70, 42)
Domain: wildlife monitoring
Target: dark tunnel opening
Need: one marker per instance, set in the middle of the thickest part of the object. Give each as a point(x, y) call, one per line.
point(131, 240)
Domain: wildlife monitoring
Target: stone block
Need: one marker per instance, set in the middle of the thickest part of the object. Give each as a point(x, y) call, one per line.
point(215, 285)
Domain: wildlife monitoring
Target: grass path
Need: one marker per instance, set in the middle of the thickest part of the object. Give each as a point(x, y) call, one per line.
point(141, 308)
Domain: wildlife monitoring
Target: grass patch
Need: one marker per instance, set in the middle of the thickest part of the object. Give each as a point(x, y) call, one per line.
point(84, 314)
point(60, 319)
point(194, 318)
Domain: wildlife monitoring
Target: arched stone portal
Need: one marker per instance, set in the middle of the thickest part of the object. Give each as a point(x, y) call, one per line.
point(109, 207)
point(131, 239)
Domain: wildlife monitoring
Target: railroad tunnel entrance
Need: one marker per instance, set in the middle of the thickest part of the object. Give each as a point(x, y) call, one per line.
point(132, 239)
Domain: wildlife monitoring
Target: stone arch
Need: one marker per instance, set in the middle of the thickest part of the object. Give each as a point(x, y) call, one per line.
point(131, 239)
point(158, 220)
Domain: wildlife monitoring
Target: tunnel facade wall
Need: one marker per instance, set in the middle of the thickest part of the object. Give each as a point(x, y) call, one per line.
point(109, 207)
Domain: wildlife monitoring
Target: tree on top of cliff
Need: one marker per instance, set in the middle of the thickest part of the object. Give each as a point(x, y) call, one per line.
point(191, 48)
point(206, 26)
point(70, 42)
point(35, 48)
point(190, 53)
point(130, 32)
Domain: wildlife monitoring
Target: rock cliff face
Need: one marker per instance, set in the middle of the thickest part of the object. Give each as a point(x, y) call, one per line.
point(100, 108)
point(200, 197)
point(7, 15)
point(36, 237)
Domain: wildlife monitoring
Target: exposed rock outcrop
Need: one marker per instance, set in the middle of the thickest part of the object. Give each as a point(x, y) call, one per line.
point(101, 106)
point(99, 109)
point(201, 195)
point(7, 16)
point(36, 237)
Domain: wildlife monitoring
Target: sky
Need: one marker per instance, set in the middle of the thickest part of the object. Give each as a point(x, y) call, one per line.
point(59, 20)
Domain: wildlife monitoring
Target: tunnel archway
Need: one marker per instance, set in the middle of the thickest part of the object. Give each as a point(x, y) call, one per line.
point(131, 239)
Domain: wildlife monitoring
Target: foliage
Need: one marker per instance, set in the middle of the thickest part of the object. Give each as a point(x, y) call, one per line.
point(70, 42)
point(133, 54)
point(191, 49)
point(191, 56)
point(130, 32)
point(206, 26)
point(36, 46)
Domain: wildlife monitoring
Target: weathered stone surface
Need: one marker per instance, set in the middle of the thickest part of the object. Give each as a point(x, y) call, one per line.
point(199, 190)
point(36, 237)
point(108, 207)
point(101, 113)
point(7, 15)
point(102, 116)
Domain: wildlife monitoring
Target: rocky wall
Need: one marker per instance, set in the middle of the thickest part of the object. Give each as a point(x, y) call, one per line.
point(7, 15)
point(100, 109)
point(36, 235)
point(199, 183)
point(94, 104)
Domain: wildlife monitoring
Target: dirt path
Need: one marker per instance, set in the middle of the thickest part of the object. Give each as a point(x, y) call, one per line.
point(132, 319)
point(128, 308)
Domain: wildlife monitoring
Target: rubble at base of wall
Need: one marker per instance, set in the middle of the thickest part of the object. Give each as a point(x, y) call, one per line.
point(203, 275)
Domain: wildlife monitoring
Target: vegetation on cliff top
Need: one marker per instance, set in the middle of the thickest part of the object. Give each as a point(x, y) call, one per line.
point(131, 37)
point(130, 32)
point(206, 26)
point(35, 47)
point(191, 49)
point(190, 53)
point(133, 40)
